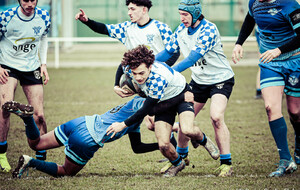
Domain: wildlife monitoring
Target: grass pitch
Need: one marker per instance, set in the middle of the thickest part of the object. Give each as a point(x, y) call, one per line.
point(71, 93)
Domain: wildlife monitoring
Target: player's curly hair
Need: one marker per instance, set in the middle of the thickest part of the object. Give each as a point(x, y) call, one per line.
point(135, 57)
point(146, 3)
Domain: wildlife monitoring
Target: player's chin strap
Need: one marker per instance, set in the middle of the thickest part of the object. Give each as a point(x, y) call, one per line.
point(23, 8)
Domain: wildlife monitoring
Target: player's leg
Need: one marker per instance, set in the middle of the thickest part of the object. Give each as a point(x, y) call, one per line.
point(293, 104)
point(35, 97)
point(258, 90)
point(205, 141)
point(292, 90)
point(80, 148)
point(272, 84)
point(217, 110)
point(163, 129)
point(7, 91)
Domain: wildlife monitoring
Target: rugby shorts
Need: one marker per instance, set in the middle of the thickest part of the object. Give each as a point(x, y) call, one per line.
point(79, 144)
point(25, 78)
point(203, 92)
point(178, 106)
point(287, 75)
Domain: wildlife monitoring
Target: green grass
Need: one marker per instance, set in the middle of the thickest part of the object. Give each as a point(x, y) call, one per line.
point(71, 93)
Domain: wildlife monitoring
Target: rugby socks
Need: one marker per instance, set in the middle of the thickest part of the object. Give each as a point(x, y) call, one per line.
point(177, 162)
point(41, 154)
point(3, 147)
point(296, 127)
point(183, 152)
point(173, 139)
point(225, 159)
point(203, 141)
point(32, 131)
point(50, 168)
point(279, 131)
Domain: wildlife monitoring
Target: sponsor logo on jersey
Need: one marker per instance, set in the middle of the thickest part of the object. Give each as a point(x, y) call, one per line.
point(37, 29)
point(37, 74)
point(274, 11)
point(150, 38)
point(293, 80)
point(26, 47)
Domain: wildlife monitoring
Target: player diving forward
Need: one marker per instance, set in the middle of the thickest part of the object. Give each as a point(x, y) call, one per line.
point(82, 137)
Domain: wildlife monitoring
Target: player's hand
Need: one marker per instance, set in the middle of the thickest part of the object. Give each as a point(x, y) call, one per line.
point(237, 53)
point(81, 16)
point(3, 76)
point(44, 72)
point(115, 128)
point(269, 55)
point(121, 92)
point(188, 96)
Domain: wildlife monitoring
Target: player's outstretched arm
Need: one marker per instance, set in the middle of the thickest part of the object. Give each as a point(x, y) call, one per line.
point(138, 146)
point(81, 16)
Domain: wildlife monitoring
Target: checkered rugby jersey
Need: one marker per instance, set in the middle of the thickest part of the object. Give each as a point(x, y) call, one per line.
point(155, 35)
point(20, 38)
point(163, 82)
point(213, 66)
point(277, 21)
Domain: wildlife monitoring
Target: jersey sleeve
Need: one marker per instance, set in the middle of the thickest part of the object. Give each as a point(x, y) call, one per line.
point(293, 15)
point(118, 31)
point(46, 18)
point(5, 17)
point(207, 40)
point(173, 45)
point(165, 32)
point(157, 86)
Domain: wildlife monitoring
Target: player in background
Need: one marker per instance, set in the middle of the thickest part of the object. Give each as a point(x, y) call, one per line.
point(212, 77)
point(279, 35)
point(140, 30)
point(161, 83)
point(258, 90)
point(23, 55)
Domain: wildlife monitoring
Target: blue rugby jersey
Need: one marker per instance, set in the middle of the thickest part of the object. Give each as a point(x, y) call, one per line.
point(276, 20)
point(20, 39)
point(98, 124)
point(154, 35)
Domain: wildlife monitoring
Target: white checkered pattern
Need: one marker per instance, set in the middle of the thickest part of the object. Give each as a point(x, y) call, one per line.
point(156, 85)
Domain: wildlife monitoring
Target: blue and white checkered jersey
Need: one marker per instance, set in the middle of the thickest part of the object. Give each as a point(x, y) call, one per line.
point(276, 21)
point(155, 35)
point(98, 124)
point(19, 38)
point(163, 82)
point(213, 66)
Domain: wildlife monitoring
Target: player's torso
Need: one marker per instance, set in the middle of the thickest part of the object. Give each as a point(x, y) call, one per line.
point(148, 35)
point(20, 42)
point(162, 76)
point(213, 67)
point(273, 21)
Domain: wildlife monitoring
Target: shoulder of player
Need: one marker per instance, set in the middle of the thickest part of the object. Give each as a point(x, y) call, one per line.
point(8, 14)
point(44, 14)
point(159, 24)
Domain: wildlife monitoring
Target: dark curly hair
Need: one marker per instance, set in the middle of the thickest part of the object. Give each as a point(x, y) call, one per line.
point(146, 3)
point(135, 57)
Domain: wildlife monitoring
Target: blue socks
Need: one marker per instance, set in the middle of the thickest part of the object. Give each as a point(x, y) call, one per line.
point(177, 162)
point(203, 141)
point(32, 131)
point(183, 152)
point(279, 131)
point(46, 167)
point(225, 159)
